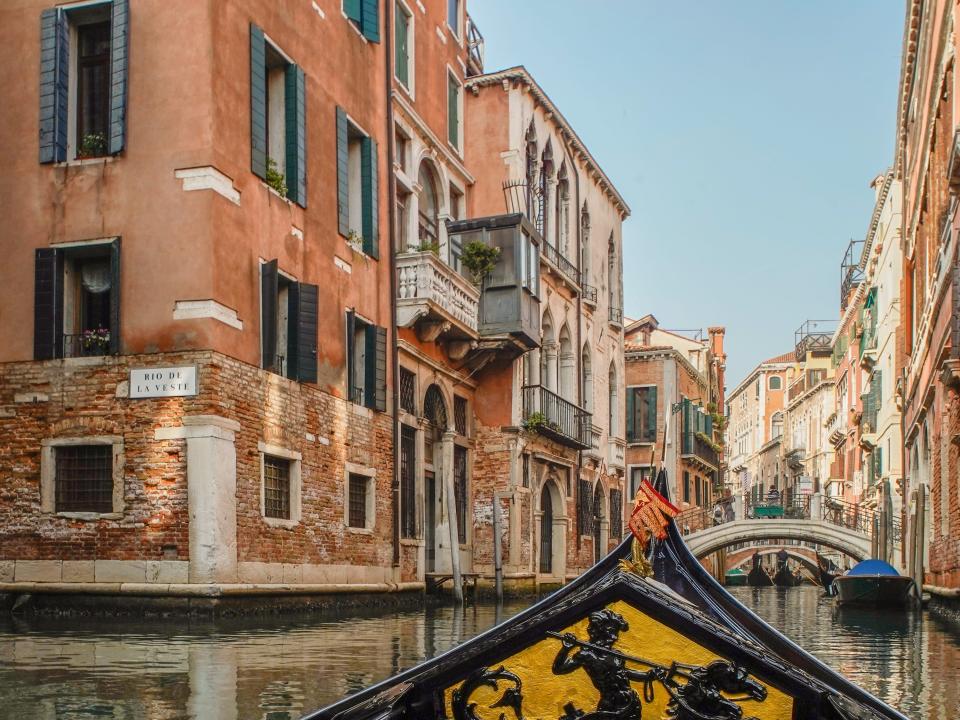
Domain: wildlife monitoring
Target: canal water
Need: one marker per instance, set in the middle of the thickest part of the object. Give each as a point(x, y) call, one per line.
point(86, 669)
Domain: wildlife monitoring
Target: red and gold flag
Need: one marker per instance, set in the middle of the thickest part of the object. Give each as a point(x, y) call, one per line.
point(651, 513)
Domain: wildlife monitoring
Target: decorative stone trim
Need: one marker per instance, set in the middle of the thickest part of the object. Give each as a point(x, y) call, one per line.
point(197, 309)
point(208, 178)
point(296, 484)
point(48, 475)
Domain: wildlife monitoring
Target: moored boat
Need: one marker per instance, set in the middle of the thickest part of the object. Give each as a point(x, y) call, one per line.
point(873, 583)
point(758, 575)
point(647, 632)
point(735, 577)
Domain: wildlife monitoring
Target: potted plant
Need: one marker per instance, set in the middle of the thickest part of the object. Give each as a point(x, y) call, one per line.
point(534, 421)
point(95, 342)
point(276, 179)
point(355, 241)
point(432, 246)
point(92, 145)
point(479, 259)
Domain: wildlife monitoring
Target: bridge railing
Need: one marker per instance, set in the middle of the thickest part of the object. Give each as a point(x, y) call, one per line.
point(856, 517)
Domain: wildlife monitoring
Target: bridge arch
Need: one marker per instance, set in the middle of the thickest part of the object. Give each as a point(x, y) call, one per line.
point(805, 556)
point(850, 542)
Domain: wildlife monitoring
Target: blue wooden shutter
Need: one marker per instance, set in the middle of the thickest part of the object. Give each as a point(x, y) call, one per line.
point(48, 305)
point(352, 9)
point(119, 52)
point(368, 186)
point(343, 174)
point(296, 134)
point(370, 19)
point(650, 431)
point(258, 102)
point(269, 282)
point(631, 412)
point(307, 312)
point(453, 111)
point(54, 65)
point(115, 297)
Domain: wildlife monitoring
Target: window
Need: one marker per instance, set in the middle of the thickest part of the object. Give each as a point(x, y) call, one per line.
point(77, 301)
point(642, 414)
point(365, 15)
point(563, 211)
point(616, 513)
point(359, 498)
point(402, 149)
point(276, 488)
point(408, 391)
point(277, 119)
point(456, 203)
point(82, 475)
point(454, 130)
point(428, 233)
point(408, 482)
point(698, 491)
point(288, 325)
point(83, 81)
point(366, 363)
point(357, 209)
point(453, 16)
point(686, 487)
point(526, 470)
point(460, 415)
point(775, 383)
point(460, 492)
point(403, 60)
point(637, 476)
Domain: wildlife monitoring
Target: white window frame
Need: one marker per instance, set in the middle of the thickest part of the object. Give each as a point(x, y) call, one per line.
point(410, 87)
point(458, 36)
point(48, 475)
point(296, 462)
point(370, 474)
point(458, 148)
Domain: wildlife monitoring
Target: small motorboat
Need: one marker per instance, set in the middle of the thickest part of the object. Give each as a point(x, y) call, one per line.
point(735, 578)
point(646, 632)
point(758, 575)
point(873, 583)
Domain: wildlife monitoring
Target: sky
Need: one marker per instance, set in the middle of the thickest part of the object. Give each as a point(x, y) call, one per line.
point(743, 135)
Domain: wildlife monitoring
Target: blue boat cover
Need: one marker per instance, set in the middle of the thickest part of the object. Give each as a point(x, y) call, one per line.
point(873, 567)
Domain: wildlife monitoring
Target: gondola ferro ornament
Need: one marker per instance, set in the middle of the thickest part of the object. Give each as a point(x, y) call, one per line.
point(646, 634)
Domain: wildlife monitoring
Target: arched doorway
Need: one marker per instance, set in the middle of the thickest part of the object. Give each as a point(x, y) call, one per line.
point(567, 366)
point(546, 532)
point(599, 541)
point(435, 413)
point(427, 222)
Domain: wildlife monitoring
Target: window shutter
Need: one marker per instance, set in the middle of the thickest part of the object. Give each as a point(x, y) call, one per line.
point(453, 108)
point(48, 305)
point(54, 64)
point(651, 428)
point(368, 187)
point(258, 102)
point(631, 412)
point(119, 51)
point(115, 297)
point(370, 367)
point(381, 370)
point(352, 9)
point(307, 318)
point(370, 19)
point(268, 314)
point(402, 59)
point(296, 134)
point(351, 356)
point(343, 174)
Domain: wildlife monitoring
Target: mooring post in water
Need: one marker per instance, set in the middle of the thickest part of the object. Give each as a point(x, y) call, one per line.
point(452, 522)
point(497, 560)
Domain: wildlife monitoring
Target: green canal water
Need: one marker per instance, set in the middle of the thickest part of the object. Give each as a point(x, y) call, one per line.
point(230, 670)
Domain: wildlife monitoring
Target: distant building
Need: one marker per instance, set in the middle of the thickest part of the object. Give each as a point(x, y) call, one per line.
point(675, 400)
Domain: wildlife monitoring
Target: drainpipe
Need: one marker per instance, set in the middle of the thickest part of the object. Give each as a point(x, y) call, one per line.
point(391, 234)
point(579, 349)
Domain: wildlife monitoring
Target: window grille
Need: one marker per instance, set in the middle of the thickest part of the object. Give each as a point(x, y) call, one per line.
point(357, 510)
point(460, 491)
point(460, 415)
point(434, 408)
point(585, 507)
point(408, 391)
point(526, 470)
point(276, 488)
point(616, 513)
point(84, 481)
point(408, 482)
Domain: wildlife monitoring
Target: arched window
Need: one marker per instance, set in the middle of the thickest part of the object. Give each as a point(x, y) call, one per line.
point(548, 353)
point(775, 382)
point(567, 365)
point(776, 425)
point(585, 243)
point(586, 378)
point(598, 517)
point(434, 408)
point(613, 292)
point(543, 190)
point(429, 206)
point(563, 211)
point(546, 530)
point(531, 171)
point(614, 409)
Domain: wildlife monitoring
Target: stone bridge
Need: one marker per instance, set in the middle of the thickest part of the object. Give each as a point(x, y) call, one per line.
point(804, 555)
point(705, 542)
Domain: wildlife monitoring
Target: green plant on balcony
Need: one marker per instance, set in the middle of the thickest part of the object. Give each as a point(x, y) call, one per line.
point(430, 246)
point(715, 446)
point(276, 179)
point(355, 241)
point(480, 259)
point(93, 145)
point(534, 421)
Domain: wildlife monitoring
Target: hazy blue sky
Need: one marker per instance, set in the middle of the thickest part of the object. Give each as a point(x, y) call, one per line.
point(743, 135)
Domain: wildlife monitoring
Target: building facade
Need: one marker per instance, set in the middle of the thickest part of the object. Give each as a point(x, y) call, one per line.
point(675, 400)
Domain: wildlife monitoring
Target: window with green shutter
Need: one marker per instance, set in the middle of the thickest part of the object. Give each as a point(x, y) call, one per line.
point(453, 110)
point(365, 15)
point(357, 187)
point(289, 313)
point(366, 363)
point(402, 45)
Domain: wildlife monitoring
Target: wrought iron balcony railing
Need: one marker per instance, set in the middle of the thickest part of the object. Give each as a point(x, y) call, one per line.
point(86, 345)
point(475, 49)
point(814, 336)
point(553, 255)
point(693, 446)
point(589, 293)
point(550, 415)
point(616, 315)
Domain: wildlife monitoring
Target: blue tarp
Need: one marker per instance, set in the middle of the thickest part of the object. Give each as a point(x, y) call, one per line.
point(873, 567)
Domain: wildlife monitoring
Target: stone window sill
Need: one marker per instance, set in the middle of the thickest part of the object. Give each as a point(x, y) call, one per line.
point(281, 523)
point(359, 531)
point(79, 162)
point(411, 542)
point(90, 516)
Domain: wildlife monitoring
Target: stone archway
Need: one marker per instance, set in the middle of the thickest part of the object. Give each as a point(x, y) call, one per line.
point(551, 530)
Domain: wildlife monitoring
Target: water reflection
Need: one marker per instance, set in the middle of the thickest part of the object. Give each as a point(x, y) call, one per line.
point(235, 670)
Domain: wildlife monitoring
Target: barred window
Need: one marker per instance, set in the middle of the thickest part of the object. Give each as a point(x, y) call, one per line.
point(526, 470)
point(460, 491)
point(357, 510)
point(408, 482)
point(460, 415)
point(408, 391)
point(276, 487)
point(585, 507)
point(616, 513)
point(84, 478)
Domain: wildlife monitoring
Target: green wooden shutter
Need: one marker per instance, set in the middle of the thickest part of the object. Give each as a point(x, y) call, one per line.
point(54, 66)
point(401, 58)
point(269, 283)
point(453, 111)
point(307, 312)
point(258, 102)
point(368, 192)
point(631, 413)
point(370, 366)
point(650, 431)
point(295, 100)
point(370, 19)
point(380, 396)
point(48, 304)
point(343, 174)
point(352, 9)
point(119, 52)
point(115, 297)
point(291, 351)
point(351, 354)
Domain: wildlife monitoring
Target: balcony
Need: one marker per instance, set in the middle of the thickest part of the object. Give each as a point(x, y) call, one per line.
point(93, 343)
point(475, 49)
point(589, 293)
point(550, 415)
point(615, 315)
point(814, 336)
point(596, 434)
point(695, 448)
point(851, 273)
point(616, 453)
point(429, 290)
point(796, 389)
point(557, 261)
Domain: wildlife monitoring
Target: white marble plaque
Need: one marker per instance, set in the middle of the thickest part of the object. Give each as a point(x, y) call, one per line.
point(163, 382)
